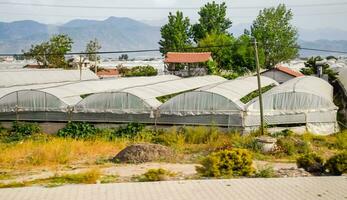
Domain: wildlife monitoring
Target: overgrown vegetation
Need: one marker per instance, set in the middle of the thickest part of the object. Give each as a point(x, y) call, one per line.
point(311, 162)
point(138, 71)
point(19, 132)
point(265, 172)
point(78, 130)
point(227, 163)
point(337, 164)
point(155, 175)
point(255, 93)
point(165, 98)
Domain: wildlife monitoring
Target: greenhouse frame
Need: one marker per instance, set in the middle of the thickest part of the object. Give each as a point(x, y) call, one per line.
point(303, 101)
point(137, 103)
point(218, 104)
point(56, 103)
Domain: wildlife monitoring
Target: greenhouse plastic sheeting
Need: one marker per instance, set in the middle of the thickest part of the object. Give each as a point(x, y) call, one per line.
point(142, 99)
point(302, 100)
point(20, 77)
point(342, 78)
point(223, 98)
point(67, 95)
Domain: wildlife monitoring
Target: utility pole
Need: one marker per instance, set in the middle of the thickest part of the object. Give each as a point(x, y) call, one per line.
point(259, 88)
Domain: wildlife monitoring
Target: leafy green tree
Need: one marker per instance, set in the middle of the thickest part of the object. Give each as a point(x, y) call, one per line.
point(92, 47)
point(175, 34)
point(51, 53)
point(221, 55)
point(311, 68)
point(243, 55)
point(276, 35)
point(212, 20)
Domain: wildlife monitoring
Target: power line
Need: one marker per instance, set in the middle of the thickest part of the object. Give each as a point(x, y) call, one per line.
point(157, 50)
point(159, 8)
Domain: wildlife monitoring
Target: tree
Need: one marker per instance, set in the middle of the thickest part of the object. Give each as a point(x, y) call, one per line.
point(123, 57)
point(92, 47)
point(212, 20)
point(311, 68)
point(175, 34)
point(51, 53)
point(276, 36)
point(221, 55)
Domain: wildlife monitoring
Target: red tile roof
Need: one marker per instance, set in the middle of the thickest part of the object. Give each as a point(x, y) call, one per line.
point(289, 71)
point(191, 57)
point(107, 72)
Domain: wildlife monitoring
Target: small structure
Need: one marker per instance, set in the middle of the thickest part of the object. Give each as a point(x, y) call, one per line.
point(341, 95)
point(108, 73)
point(186, 63)
point(281, 74)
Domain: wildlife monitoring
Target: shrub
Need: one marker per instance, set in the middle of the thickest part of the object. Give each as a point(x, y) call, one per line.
point(141, 71)
point(20, 131)
point(155, 175)
point(129, 131)
point(291, 146)
point(172, 137)
point(200, 135)
point(78, 130)
point(311, 162)
point(266, 172)
point(227, 163)
point(337, 164)
point(341, 140)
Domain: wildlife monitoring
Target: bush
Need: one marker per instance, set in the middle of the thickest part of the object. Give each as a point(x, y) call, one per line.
point(266, 172)
point(20, 131)
point(155, 175)
point(227, 163)
point(341, 140)
point(291, 146)
point(141, 71)
point(129, 131)
point(200, 135)
point(78, 130)
point(337, 164)
point(311, 162)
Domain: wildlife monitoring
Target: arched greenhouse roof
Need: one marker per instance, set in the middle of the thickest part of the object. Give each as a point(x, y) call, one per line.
point(305, 93)
point(222, 98)
point(142, 99)
point(22, 77)
point(342, 78)
point(69, 94)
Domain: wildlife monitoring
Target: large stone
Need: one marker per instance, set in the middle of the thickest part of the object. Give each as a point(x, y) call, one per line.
point(139, 153)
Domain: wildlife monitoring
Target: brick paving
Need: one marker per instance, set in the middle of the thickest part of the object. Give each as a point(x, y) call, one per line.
point(250, 188)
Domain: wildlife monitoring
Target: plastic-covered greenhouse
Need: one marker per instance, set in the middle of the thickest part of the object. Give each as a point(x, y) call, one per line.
point(54, 102)
point(342, 78)
point(18, 77)
point(219, 104)
point(136, 103)
point(301, 101)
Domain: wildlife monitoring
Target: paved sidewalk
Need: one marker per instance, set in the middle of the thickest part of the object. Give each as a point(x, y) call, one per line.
point(256, 188)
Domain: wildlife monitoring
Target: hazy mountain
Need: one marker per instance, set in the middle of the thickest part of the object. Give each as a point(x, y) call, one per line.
point(127, 34)
point(113, 33)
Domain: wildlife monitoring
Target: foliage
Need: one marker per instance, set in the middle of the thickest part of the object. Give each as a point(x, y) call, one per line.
point(283, 133)
point(139, 71)
point(51, 53)
point(128, 131)
point(123, 57)
point(155, 175)
point(266, 172)
point(212, 20)
point(78, 130)
point(200, 134)
point(92, 47)
point(311, 68)
point(175, 35)
point(291, 145)
point(165, 98)
point(341, 140)
point(337, 164)
point(221, 55)
point(276, 36)
point(227, 163)
point(255, 93)
point(311, 162)
point(212, 67)
point(20, 131)
point(88, 177)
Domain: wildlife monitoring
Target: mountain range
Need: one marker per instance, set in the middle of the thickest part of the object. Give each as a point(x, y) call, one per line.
point(117, 33)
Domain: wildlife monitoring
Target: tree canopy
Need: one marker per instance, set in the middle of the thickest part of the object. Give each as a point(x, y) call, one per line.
point(276, 35)
point(51, 53)
point(212, 20)
point(176, 34)
point(92, 47)
point(311, 68)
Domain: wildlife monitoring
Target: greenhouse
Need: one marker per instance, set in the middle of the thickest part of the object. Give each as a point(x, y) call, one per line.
point(22, 77)
point(303, 101)
point(220, 104)
point(55, 102)
point(136, 103)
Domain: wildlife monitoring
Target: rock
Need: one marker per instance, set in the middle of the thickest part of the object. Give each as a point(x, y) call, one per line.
point(140, 153)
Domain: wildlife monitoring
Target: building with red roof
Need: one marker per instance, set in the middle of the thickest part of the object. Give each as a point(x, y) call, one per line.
point(281, 74)
point(187, 63)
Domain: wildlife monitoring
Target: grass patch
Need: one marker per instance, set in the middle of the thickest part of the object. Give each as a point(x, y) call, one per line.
point(266, 171)
point(155, 175)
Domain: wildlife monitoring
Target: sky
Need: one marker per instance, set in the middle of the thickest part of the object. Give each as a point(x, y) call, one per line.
point(308, 14)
